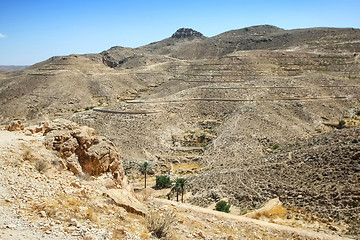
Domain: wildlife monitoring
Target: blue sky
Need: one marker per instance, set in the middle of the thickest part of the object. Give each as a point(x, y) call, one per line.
point(32, 31)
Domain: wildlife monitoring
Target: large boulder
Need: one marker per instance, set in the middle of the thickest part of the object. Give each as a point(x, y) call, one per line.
point(126, 200)
point(83, 150)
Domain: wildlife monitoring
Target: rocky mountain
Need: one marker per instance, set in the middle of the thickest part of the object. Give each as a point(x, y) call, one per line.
point(187, 33)
point(244, 105)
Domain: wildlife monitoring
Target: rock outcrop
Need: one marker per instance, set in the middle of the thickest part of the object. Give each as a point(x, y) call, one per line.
point(127, 201)
point(16, 126)
point(83, 150)
point(187, 33)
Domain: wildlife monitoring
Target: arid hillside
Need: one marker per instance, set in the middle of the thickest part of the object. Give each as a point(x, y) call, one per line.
point(259, 110)
point(44, 195)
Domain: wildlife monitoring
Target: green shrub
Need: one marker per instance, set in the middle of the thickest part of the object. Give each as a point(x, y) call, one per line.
point(275, 146)
point(341, 123)
point(163, 181)
point(223, 206)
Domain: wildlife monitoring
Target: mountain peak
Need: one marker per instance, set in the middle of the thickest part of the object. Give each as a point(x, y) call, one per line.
point(187, 33)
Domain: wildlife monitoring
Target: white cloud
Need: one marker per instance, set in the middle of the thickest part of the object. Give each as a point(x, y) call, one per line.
point(2, 35)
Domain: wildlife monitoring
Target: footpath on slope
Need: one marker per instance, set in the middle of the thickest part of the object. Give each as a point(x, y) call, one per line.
point(253, 225)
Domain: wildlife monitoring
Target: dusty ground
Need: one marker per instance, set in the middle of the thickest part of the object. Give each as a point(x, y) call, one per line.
point(46, 203)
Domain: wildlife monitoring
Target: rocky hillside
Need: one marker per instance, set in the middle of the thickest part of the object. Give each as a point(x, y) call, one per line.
point(43, 196)
point(320, 174)
point(224, 103)
point(63, 85)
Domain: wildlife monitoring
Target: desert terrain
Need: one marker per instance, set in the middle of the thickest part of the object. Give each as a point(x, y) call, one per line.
point(252, 116)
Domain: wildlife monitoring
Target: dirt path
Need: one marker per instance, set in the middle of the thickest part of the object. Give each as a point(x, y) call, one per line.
point(252, 224)
point(8, 138)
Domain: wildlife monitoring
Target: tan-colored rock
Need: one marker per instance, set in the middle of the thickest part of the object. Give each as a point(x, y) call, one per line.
point(39, 128)
point(73, 164)
point(84, 151)
point(16, 126)
point(127, 201)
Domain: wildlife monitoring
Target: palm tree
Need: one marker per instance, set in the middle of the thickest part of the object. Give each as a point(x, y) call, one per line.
point(176, 188)
point(145, 168)
point(180, 186)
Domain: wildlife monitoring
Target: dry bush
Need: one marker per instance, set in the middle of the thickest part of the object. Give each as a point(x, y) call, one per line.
point(119, 233)
point(160, 225)
point(144, 196)
point(273, 213)
point(66, 207)
point(28, 154)
point(41, 165)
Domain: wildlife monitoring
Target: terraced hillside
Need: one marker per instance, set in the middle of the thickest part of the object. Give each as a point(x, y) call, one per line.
point(224, 103)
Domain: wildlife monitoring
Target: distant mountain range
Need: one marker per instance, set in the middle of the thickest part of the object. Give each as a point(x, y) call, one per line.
point(11, 68)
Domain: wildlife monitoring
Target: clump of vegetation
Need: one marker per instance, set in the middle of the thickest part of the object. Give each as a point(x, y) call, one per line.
point(163, 181)
point(341, 124)
point(159, 225)
point(222, 206)
point(275, 146)
point(41, 166)
point(273, 213)
point(28, 155)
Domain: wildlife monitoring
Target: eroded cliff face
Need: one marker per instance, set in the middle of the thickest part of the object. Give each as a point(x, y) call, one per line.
point(81, 149)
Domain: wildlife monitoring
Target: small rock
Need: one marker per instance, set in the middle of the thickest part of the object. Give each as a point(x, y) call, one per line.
point(75, 184)
point(333, 228)
point(42, 214)
point(201, 235)
point(11, 226)
point(74, 222)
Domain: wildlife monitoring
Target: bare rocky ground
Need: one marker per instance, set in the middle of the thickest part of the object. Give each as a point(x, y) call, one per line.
point(235, 112)
point(46, 201)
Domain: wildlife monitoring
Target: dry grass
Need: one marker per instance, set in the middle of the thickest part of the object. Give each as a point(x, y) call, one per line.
point(119, 233)
point(41, 166)
point(184, 167)
point(160, 224)
point(67, 207)
point(145, 195)
point(28, 154)
point(273, 213)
